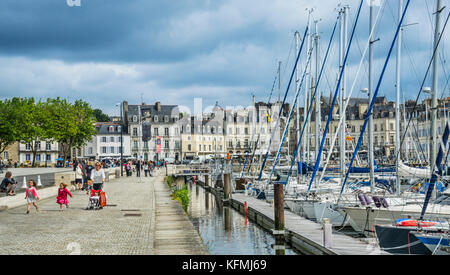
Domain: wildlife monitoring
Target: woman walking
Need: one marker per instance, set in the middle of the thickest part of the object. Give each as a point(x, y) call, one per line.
point(61, 199)
point(79, 176)
point(98, 177)
point(31, 196)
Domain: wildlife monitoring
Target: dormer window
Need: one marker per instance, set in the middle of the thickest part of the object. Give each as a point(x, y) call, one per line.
point(166, 119)
point(155, 118)
point(134, 118)
point(111, 128)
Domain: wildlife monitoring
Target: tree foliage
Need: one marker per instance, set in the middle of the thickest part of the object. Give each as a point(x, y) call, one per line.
point(55, 120)
point(100, 116)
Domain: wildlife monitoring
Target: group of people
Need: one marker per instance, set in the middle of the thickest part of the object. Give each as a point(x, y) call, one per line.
point(88, 176)
point(147, 166)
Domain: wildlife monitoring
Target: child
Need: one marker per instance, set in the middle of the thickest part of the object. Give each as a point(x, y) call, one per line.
point(62, 196)
point(31, 196)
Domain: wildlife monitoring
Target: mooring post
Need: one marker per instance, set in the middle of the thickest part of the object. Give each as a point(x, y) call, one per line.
point(279, 207)
point(278, 232)
point(206, 180)
point(226, 188)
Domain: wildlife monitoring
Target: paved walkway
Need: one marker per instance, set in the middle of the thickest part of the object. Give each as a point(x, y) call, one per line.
point(175, 234)
point(125, 227)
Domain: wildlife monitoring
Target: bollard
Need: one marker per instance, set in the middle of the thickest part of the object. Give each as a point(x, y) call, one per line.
point(279, 206)
point(24, 184)
point(226, 187)
point(327, 233)
point(206, 180)
point(245, 210)
point(39, 184)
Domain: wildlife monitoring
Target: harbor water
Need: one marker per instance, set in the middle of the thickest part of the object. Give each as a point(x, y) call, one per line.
point(224, 230)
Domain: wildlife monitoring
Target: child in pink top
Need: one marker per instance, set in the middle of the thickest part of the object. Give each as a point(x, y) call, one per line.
point(31, 196)
point(62, 196)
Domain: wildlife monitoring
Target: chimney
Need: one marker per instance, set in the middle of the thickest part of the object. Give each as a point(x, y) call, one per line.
point(158, 106)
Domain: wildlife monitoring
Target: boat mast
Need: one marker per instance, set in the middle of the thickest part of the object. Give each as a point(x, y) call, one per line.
point(318, 96)
point(434, 104)
point(307, 96)
point(370, 141)
point(342, 48)
point(297, 42)
point(397, 103)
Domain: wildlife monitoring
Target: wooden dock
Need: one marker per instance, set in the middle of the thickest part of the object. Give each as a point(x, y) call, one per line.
point(303, 234)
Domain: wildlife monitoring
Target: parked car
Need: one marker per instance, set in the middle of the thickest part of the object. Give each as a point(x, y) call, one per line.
point(170, 160)
point(186, 161)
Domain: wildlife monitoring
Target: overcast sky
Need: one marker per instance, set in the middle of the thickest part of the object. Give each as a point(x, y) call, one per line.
point(106, 51)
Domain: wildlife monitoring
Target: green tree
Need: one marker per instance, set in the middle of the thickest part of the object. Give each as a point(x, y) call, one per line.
point(34, 120)
point(100, 116)
point(9, 126)
point(72, 125)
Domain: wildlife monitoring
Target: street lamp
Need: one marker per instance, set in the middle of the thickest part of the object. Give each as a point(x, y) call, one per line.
point(121, 139)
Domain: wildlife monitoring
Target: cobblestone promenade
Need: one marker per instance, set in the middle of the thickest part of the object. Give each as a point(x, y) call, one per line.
point(125, 227)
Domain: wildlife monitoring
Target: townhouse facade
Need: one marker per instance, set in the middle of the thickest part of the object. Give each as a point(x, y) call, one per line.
point(158, 125)
point(107, 144)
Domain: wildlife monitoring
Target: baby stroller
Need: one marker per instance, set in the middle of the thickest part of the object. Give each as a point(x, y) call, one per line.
point(95, 199)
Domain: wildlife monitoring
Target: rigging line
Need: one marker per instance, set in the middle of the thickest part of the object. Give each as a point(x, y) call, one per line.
point(282, 105)
point(369, 111)
point(319, 155)
point(286, 129)
point(341, 120)
point(312, 101)
point(423, 82)
point(286, 63)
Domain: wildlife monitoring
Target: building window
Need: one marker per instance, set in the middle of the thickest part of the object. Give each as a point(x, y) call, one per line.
point(111, 139)
point(111, 129)
point(135, 132)
point(119, 150)
point(28, 157)
point(135, 144)
point(376, 130)
point(177, 145)
point(189, 147)
point(145, 144)
point(381, 127)
point(200, 147)
point(166, 119)
point(177, 131)
point(166, 144)
point(220, 146)
point(166, 132)
point(90, 150)
point(392, 126)
point(28, 147)
point(39, 146)
point(230, 131)
point(48, 146)
point(103, 150)
point(103, 139)
point(134, 118)
point(155, 119)
point(210, 148)
point(155, 131)
point(38, 157)
point(112, 150)
point(49, 157)
point(5, 155)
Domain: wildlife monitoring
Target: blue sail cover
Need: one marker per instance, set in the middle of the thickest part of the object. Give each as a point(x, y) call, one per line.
point(437, 171)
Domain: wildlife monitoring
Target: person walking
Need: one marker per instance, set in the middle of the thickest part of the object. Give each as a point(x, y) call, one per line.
point(61, 199)
point(98, 177)
point(146, 168)
point(31, 196)
point(138, 168)
point(79, 176)
point(8, 184)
